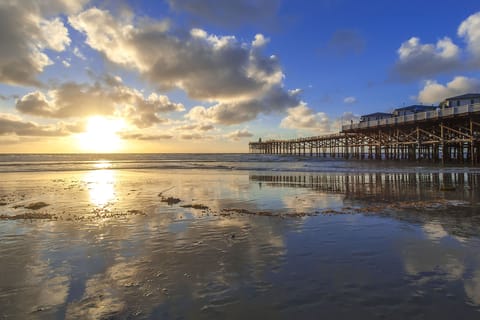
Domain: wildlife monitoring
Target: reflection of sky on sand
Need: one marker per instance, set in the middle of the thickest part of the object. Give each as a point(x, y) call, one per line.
point(178, 262)
point(101, 186)
point(432, 264)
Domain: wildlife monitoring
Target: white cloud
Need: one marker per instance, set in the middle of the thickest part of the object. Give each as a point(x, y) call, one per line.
point(305, 119)
point(434, 92)
point(417, 60)
point(302, 117)
point(350, 100)
point(470, 30)
point(239, 134)
point(260, 41)
point(55, 34)
point(234, 75)
point(79, 54)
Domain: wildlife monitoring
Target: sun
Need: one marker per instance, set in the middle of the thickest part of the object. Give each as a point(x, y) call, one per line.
point(101, 135)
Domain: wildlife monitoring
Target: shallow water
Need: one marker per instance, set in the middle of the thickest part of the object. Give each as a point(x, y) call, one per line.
point(279, 245)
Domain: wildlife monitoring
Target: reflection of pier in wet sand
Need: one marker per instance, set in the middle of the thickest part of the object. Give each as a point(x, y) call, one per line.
point(381, 186)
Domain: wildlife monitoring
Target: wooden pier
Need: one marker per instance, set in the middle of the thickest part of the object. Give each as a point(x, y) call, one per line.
point(446, 135)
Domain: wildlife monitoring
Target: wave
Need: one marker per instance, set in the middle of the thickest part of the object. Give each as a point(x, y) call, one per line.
point(252, 162)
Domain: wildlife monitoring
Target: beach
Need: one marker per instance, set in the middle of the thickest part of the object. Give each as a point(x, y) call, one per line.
point(236, 236)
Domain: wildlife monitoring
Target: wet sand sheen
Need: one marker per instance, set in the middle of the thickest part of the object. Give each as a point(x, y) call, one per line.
point(236, 244)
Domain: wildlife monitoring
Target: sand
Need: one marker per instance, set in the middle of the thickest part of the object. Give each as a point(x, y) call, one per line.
point(216, 244)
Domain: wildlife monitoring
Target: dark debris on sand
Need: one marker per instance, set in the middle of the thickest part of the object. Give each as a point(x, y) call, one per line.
point(29, 216)
point(196, 206)
point(170, 200)
point(36, 205)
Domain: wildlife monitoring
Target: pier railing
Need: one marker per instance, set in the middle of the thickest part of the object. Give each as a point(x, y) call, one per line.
point(421, 116)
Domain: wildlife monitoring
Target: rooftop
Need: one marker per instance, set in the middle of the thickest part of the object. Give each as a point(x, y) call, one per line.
point(377, 114)
point(417, 107)
point(465, 96)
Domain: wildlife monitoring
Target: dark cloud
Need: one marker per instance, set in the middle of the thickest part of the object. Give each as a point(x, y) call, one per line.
point(71, 100)
point(239, 134)
point(231, 13)
point(13, 125)
point(347, 41)
point(25, 36)
point(145, 137)
point(194, 136)
point(229, 113)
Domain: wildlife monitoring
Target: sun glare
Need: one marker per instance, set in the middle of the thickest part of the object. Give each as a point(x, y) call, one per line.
point(101, 135)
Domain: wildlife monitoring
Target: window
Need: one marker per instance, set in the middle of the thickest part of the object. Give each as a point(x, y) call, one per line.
point(458, 103)
point(472, 101)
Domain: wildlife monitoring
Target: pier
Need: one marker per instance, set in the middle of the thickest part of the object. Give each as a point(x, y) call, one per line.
point(447, 134)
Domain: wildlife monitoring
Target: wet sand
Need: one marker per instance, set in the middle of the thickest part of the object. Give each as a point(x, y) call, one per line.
point(196, 244)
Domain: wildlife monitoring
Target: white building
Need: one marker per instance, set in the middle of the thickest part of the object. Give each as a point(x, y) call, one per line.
point(412, 110)
point(375, 116)
point(462, 100)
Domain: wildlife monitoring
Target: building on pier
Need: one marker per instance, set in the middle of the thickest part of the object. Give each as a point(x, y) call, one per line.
point(404, 111)
point(446, 134)
point(462, 100)
point(375, 116)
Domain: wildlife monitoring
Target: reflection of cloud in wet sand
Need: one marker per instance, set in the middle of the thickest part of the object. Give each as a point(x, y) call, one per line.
point(430, 262)
point(434, 231)
point(472, 288)
point(102, 294)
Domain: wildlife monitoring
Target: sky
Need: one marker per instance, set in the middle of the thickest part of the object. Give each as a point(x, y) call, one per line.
point(210, 76)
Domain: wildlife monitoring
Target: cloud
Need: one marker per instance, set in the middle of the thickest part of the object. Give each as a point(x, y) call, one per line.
point(25, 36)
point(417, 60)
point(434, 92)
point(236, 76)
point(196, 127)
point(232, 13)
point(469, 29)
point(228, 113)
point(71, 100)
point(54, 7)
point(260, 41)
point(11, 124)
point(347, 41)
point(144, 137)
point(302, 117)
point(239, 134)
point(350, 100)
point(79, 54)
point(194, 136)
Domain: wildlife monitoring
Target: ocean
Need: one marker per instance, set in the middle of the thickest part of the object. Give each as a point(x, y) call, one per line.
point(230, 236)
point(252, 162)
